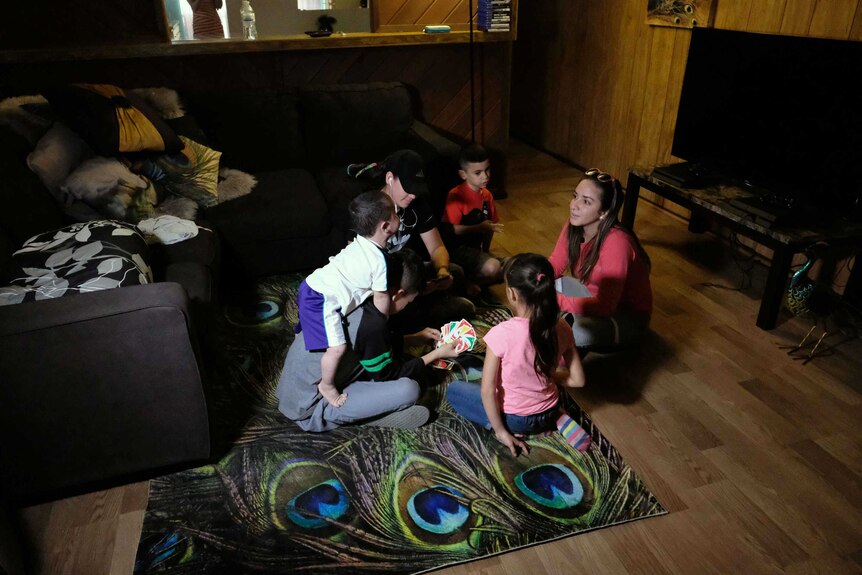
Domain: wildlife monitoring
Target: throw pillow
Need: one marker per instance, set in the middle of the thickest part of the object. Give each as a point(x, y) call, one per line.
point(112, 120)
point(191, 173)
point(107, 185)
point(56, 154)
point(80, 258)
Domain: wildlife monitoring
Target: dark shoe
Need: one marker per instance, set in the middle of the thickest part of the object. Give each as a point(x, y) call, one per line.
point(410, 418)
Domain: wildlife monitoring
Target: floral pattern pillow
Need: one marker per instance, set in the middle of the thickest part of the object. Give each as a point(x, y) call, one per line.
point(81, 258)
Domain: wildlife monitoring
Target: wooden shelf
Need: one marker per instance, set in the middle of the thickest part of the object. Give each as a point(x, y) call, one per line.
point(235, 46)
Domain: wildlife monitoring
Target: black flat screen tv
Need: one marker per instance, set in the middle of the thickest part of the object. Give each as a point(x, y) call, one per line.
point(779, 113)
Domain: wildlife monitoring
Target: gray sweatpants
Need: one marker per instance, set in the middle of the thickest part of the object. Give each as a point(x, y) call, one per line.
point(365, 400)
point(619, 330)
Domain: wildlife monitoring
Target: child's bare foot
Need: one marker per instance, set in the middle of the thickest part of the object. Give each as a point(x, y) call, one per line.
point(330, 394)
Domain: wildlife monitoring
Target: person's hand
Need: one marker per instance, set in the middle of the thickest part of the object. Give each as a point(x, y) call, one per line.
point(447, 351)
point(513, 443)
point(430, 333)
point(442, 282)
point(490, 226)
point(561, 375)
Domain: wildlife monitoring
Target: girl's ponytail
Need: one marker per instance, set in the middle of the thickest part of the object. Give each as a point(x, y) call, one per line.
point(533, 277)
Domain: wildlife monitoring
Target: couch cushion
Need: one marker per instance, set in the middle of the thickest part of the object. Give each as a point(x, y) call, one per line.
point(348, 123)
point(284, 204)
point(256, 130)
point(80, 258)
point(338, 189)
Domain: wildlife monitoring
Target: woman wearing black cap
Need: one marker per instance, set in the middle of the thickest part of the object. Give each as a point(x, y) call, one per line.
point(405, 183)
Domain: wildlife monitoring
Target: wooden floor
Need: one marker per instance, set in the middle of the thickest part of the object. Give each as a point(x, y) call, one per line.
point(757, 457)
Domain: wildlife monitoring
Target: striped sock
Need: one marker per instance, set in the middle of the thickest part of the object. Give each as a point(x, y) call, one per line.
point(572, 432)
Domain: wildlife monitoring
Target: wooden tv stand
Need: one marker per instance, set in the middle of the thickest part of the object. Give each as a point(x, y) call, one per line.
point(713, 203)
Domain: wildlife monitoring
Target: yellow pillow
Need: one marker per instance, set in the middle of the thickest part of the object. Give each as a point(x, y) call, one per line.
point(111, 120)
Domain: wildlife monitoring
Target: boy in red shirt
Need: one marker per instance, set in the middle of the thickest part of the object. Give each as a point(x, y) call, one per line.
point(471, 212)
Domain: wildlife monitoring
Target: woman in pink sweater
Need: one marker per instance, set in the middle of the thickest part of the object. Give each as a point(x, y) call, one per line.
point(609, 293)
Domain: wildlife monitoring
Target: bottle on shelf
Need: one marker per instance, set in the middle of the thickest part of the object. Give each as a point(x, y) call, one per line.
point(249, 27)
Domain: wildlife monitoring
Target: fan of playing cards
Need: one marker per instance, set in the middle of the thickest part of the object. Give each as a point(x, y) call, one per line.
point(462, 334)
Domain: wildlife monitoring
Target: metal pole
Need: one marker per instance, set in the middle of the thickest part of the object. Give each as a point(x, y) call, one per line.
point(472, 80)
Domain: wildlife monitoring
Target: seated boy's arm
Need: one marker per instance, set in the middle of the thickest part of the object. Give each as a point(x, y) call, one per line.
point(379, 359)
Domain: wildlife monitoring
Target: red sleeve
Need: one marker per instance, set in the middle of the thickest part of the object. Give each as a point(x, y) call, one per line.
point(560, 256)
point(607, 280)
point(452, 214)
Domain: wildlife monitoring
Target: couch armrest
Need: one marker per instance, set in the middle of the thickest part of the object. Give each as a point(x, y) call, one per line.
point(428, 141)
point(96, 387)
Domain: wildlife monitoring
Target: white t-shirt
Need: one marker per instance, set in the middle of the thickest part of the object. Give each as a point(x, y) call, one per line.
point(351, 275)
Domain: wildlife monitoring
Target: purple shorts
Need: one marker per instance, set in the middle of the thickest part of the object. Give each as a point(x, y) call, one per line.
point(320, 320)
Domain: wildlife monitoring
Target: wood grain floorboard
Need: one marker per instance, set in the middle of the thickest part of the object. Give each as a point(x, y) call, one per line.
point(757, 457)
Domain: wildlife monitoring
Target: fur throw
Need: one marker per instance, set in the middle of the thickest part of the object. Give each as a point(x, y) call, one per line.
point(183, 208)
point(233, 184)
point(164, 101)
point(13, 113)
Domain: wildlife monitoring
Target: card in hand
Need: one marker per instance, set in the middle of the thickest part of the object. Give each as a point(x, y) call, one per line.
point(461, 333)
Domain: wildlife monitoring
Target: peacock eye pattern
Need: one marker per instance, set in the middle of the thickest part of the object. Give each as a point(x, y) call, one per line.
point(438, 509)
point(164, 550)
point(552, 485)
point(316, 506)
point(306, 494)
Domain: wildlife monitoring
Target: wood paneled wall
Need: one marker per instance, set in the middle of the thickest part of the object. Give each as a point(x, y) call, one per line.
point(596, 85)
point(410, 15)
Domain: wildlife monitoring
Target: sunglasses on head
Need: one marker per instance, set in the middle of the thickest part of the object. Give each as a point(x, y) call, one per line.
point(599, 175)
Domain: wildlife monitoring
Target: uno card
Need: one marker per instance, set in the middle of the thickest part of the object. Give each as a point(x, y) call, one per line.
point(461, 333)
point(443, 364)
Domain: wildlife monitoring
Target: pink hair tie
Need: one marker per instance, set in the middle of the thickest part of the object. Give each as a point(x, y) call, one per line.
point(540, 276)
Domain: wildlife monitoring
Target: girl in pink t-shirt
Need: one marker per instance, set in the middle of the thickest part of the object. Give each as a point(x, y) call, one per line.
point(527, 358)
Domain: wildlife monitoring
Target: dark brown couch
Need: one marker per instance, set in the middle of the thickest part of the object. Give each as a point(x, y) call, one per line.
point(108, 385)
point(298, 142)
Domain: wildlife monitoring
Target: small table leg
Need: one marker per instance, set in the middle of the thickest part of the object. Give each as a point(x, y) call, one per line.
point(630, 206)
point(773, 292)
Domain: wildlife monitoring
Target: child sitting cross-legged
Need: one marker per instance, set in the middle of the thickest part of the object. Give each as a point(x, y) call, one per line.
point(528, 358)
point(471, 212)
point(336, 289)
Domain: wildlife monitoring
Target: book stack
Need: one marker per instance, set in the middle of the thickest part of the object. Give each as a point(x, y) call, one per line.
point(494, 15)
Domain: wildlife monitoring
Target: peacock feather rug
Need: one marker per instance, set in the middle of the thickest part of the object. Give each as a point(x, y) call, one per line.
point(365, 500)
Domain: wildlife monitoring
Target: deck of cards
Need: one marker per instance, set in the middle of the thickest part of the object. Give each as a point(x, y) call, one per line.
point(462, 334)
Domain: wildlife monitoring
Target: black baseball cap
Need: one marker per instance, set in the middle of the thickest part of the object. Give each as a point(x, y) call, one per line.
point(408, 167)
